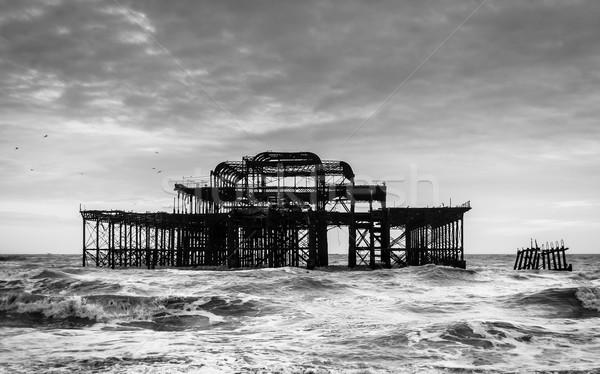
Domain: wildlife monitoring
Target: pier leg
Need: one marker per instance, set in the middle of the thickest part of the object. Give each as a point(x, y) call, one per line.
point(352, 244)
point(84, 257)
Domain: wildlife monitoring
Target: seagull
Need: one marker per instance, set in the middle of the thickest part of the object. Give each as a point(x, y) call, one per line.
point(153, 168)
point(45, 136)
point(30, 169)
point(156, 152)
point(160, 171)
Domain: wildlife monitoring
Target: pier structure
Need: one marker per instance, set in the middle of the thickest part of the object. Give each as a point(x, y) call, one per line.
point(270, 210)
point(552, 256)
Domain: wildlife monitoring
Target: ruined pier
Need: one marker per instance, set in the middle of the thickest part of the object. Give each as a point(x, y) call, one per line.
point(272, 210)
point(552, 256)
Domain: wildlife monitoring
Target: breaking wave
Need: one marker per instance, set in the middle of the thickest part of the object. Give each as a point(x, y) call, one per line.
point(571, 302)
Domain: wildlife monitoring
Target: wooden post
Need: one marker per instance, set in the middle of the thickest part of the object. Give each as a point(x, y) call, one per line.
point(565, 258)
point(521, 259)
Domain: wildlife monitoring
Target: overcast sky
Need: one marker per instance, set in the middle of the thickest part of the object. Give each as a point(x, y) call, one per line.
point(497, 104)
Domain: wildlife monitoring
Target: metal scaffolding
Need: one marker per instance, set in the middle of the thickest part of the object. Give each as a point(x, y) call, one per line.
point(272, 210)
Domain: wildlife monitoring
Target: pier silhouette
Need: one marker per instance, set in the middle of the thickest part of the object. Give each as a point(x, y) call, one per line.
point(272, 210)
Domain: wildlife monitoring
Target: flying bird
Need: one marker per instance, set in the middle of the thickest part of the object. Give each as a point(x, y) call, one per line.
point(30, 169)
point(16, 147)
point(160, 171)
point(45, 136)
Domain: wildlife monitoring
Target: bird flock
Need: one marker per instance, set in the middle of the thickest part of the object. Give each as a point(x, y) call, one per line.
point(17, 148)
point(83, 173)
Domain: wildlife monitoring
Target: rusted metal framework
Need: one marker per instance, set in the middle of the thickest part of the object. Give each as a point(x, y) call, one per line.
point(274, 209)
point(123, 239)
point(399, 237)
point(281, 179)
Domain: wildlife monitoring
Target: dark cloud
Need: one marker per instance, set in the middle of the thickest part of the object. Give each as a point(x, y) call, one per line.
point(278, 62)
point(288, 65)
point(509, 100)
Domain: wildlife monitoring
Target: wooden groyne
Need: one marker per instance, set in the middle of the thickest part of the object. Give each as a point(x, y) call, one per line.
point(270, 210)
point(552, 256)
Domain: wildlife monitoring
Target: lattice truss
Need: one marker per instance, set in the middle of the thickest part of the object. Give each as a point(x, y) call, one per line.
point(284, 240)
point(439, 243)
point(270, 178)
point(398, 246)
point(117, 238)
point(257, 247)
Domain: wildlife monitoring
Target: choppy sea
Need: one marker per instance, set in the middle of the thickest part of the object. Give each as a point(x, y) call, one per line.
point(58, 317)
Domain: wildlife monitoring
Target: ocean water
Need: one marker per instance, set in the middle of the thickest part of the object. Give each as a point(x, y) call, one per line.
point(57, 317)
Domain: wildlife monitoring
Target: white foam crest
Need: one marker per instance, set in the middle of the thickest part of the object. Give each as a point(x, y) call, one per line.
point(194, 309)
point(82, 307)
point(20, 274)
point(74, 306)
point(589, 297)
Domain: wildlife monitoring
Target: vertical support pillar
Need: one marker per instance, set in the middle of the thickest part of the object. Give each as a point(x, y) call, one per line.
point(423, 245)
point(352, 232)
point(178, 247)
point(269, 243)
point(232, 253)
point(155, 253)
point(84, 257)
point(171, 246)
point(385, 239)
point(408, 245)
point(312, 241)
point(352, 243)
point(462, 241)
point(97, 242)
point(148, 246)
point(323, 249)
point(371, 239)
point(110, 243)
